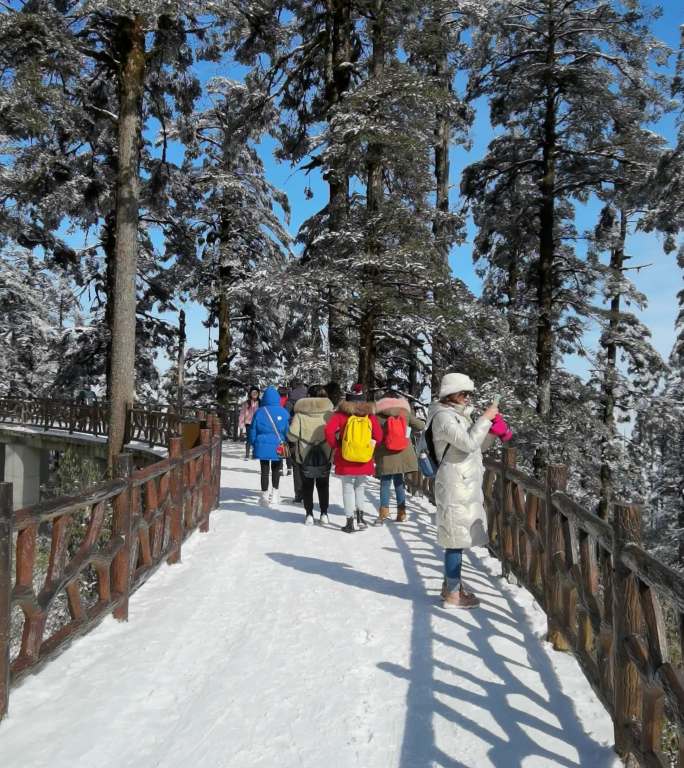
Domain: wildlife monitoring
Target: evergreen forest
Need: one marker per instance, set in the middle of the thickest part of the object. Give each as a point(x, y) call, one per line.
point(136, 138)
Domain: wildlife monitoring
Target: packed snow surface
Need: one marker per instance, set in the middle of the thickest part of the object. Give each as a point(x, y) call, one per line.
point(279, 644)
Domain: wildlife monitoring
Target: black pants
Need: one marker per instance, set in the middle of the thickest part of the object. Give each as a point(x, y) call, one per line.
point(275, 467)
point(297, 479)
point(322, 487)
point(248, 446)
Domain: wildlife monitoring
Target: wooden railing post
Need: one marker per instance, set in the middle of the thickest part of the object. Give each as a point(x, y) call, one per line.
point(626, 622)
point(556, 480)
point(176, 492)
point(217, 458)
point(122, 526)
point(508, 461)
point(5, 592)
point(205, 491)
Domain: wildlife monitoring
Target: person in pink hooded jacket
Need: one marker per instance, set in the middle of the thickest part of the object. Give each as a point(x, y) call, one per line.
point(247, 411)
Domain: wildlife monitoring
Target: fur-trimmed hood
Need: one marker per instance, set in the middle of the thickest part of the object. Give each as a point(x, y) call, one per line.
point(356, 409)
point(393, 406)
point(311, 406)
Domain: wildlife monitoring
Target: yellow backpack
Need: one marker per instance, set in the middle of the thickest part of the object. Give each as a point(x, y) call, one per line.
point(357, 439)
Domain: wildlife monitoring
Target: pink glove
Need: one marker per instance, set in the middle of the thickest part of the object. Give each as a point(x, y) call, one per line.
point(501, 429)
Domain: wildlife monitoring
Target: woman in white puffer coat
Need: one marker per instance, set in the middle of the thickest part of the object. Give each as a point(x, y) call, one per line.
point(459, 442)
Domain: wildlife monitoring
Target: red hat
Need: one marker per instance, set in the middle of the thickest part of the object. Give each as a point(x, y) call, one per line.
point(356, 395)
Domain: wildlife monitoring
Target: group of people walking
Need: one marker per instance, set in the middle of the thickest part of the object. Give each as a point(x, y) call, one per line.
point(318, 429)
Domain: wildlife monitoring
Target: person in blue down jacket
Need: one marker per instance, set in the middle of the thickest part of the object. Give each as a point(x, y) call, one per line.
point(267, 431)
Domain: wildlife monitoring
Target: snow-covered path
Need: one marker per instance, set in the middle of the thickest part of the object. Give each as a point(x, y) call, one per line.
point(277, 644)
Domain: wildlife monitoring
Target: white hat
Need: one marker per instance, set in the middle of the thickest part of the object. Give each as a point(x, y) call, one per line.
point(455, 382)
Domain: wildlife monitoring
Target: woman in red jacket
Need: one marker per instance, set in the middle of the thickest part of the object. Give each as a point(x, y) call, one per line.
point(354, 473)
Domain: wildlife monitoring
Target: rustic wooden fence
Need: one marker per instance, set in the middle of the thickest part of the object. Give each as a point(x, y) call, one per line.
point(103, 545)
point(153, 425)
point(603, 596)
point(614, 606)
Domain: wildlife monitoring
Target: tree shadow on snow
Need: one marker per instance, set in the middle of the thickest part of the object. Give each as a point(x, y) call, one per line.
point(497, 707)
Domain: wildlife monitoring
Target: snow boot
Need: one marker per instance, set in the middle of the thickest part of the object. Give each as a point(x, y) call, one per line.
point(383, 514)
point(401, 513)
point(265, 499)
point(349, 527)
point(360, 522)
point(323, 519)
point(275, 497)
point(460, 599)
point(445, 590)
point(309, 519)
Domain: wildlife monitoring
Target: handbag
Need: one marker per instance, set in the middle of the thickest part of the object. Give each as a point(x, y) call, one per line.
point(282, 449)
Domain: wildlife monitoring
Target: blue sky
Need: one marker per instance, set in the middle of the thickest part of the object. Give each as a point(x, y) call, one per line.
point(660, 282)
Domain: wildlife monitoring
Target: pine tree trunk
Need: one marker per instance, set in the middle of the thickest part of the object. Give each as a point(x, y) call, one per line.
point(338, 79)
point(617, 258)
point(109, 247)
point(180, 362)
point(439, 224)
point(546, 271)
point(224, 340)
point(512, 294)
point(131, 55)
point(374, 196)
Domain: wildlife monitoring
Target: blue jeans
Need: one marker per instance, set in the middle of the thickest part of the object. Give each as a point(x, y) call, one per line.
point(386, 486)
point(453, 559)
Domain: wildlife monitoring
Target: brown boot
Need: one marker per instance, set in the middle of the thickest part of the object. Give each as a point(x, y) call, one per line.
point(460, 599)
point(383, 514)
point(401, 513)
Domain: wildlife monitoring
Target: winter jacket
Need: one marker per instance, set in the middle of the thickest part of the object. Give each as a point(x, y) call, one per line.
point(307, 427)
point(334, 430)
point(461, 519)
point(297, 393)
point(247, 412)
point(396, 462)
point(261, 433)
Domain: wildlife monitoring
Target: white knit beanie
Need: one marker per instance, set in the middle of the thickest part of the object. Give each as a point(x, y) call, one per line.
point(455, 382)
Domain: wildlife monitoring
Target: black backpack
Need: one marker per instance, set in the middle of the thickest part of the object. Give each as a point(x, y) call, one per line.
point(316, 463)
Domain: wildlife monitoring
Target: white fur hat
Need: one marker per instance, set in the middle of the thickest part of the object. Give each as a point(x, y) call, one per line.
point(455, 382)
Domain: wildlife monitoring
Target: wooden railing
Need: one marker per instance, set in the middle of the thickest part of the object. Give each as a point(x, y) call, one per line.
point(55, 414)
point(614, 606)
point(152, 425)
point(603, 596)
point(102, 546)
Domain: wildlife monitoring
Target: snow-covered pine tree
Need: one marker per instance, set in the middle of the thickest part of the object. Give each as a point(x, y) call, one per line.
point(240, 219)
point(36, 313)
point(551, 71)
point(115, 54)
point(436, 48)
point(628, 368)
point(664, 427)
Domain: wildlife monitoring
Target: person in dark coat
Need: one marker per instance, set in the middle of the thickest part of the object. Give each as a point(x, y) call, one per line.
point(334, 391)
point(298, 392)
point(267, 431)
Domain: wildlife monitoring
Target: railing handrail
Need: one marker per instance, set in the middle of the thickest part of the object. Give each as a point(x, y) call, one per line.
point(150, 423)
